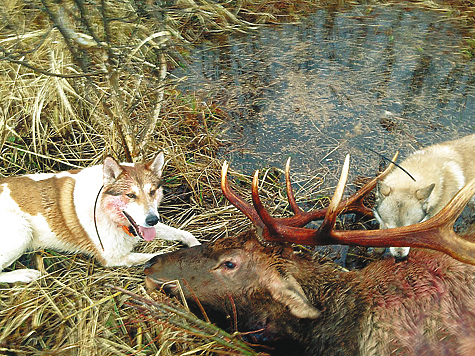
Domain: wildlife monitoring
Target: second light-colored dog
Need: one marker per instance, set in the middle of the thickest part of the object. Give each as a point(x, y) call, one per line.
point(440, 171)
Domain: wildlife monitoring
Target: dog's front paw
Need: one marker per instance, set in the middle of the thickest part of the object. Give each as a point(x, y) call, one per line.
point(134, 259)
point(166, 232)
point(189, 240)
point(20, 275)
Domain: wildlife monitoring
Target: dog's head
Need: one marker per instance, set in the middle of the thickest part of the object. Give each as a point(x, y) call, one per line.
point(398, 206)
point(132, 193)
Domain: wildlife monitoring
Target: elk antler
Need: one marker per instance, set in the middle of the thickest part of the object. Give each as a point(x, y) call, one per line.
point(237, 201)
point(354, 204)
point(436, 233)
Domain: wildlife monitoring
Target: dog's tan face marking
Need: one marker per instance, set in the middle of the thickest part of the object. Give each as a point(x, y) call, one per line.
point(402, 205)
point(399, 210)
point(133, 196)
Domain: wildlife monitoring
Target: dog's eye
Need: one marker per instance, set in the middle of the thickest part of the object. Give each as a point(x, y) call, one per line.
point(131, 195)
point(152, 192)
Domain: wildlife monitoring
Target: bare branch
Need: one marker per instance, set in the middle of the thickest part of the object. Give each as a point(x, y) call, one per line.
point(45, 72)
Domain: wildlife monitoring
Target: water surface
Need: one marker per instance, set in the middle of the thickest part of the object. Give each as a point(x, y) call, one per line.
point(386, 78)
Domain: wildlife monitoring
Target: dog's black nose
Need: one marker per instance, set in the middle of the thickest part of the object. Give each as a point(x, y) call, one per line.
point(151, 220)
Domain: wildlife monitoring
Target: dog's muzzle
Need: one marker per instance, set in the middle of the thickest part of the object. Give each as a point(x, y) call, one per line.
point(147, 233)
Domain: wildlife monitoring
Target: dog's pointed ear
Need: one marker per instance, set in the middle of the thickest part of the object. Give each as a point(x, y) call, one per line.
point(383, 189)
point(424, 193)
point(111, 170)
point(156, 166)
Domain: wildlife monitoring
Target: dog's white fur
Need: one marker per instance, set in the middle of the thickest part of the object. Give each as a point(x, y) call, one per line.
point(56, 211)
point(440, 172)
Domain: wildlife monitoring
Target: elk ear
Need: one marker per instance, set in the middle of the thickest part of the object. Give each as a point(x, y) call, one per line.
point(156, 165)
point(384, 189)
point(424, 193)
point(287, 290)
point(111, 170)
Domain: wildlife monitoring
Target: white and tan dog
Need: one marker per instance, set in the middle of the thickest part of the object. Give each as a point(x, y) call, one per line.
point(59, 211)
point(440, 171)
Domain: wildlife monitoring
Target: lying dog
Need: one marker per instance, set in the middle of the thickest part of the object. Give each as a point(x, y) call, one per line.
point(102, 211)
point(439, 171)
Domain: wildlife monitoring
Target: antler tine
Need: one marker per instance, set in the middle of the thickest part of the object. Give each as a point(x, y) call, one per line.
point(353, 204)
point(236, 200)
point(332, 210)
point(273, 231)
point(290, 192)
point(459, 248)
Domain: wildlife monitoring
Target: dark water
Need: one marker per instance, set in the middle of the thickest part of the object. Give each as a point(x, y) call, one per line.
point(387, 78)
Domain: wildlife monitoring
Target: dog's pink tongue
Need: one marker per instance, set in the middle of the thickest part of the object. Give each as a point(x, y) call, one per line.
point(148, 233)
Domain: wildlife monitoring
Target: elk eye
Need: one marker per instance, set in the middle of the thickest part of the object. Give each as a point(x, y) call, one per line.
point(229, 265)
point(131, 195)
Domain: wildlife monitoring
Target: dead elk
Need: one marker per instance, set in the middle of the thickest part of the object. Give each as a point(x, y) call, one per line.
point(301, 305)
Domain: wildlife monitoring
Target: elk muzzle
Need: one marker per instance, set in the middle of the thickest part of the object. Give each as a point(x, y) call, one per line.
point(153, 279)
point(164, 272)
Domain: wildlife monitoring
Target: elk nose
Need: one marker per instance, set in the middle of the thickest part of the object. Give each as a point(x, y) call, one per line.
point(151, 220)
point(150, 263)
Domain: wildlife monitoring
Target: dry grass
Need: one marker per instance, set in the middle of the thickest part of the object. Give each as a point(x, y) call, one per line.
point(66, 105)
point(74, 88)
